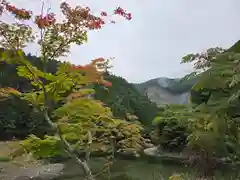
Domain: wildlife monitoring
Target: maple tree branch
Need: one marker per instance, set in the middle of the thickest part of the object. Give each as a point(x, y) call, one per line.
point(53, 125)
point(68, 147)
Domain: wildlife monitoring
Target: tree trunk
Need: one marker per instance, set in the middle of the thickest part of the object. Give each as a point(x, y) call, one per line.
point(69, 149)
point(87, 171)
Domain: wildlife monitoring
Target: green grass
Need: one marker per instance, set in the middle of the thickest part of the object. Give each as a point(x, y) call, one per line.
point(4, 159)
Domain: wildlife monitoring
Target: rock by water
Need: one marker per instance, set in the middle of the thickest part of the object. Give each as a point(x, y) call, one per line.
point(153, 151)
point(43, 172)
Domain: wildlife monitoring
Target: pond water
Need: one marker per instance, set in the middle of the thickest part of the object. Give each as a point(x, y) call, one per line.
point(139, 170)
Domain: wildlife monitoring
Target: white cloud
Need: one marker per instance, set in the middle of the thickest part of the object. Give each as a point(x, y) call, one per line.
point(161, 32)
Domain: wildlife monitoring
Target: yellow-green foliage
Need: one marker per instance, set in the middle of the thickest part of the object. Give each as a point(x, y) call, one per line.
point(180, 112)
point(49, 146)
point(75, 119)
point(82, 110)
point(208, 132)
point(129, 135)
point(176, 177)
point(78, 116)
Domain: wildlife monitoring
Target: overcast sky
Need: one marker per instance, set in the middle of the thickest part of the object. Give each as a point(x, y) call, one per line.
point(161, 32)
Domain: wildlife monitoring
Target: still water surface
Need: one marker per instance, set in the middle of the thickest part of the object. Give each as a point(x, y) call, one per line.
point(139, 170)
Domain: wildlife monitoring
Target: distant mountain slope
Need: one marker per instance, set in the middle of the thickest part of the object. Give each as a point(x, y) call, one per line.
point(164, 91)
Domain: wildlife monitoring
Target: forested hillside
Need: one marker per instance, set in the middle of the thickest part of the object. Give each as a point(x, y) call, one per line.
point(124, 99)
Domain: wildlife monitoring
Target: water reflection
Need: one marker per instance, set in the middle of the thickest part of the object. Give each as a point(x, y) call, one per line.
point(135, 170)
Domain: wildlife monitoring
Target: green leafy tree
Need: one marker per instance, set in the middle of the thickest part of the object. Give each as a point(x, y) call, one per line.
point(172, 127)
point(18, 119)
point(216, 126)
point(64, 98)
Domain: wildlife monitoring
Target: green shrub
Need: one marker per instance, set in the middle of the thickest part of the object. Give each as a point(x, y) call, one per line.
point(4, 159)
point(172, 128)
point(172, 134)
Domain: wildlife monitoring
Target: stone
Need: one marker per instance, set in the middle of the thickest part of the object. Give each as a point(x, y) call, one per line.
point(149, 145)
point(45, 172)
point(153, 151)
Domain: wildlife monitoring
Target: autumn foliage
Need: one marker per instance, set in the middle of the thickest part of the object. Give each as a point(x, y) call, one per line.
point(80, 18)
point(64, 97)
point(73, 15)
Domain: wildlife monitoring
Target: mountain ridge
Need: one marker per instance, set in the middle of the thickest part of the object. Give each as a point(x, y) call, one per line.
point(165, 90)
